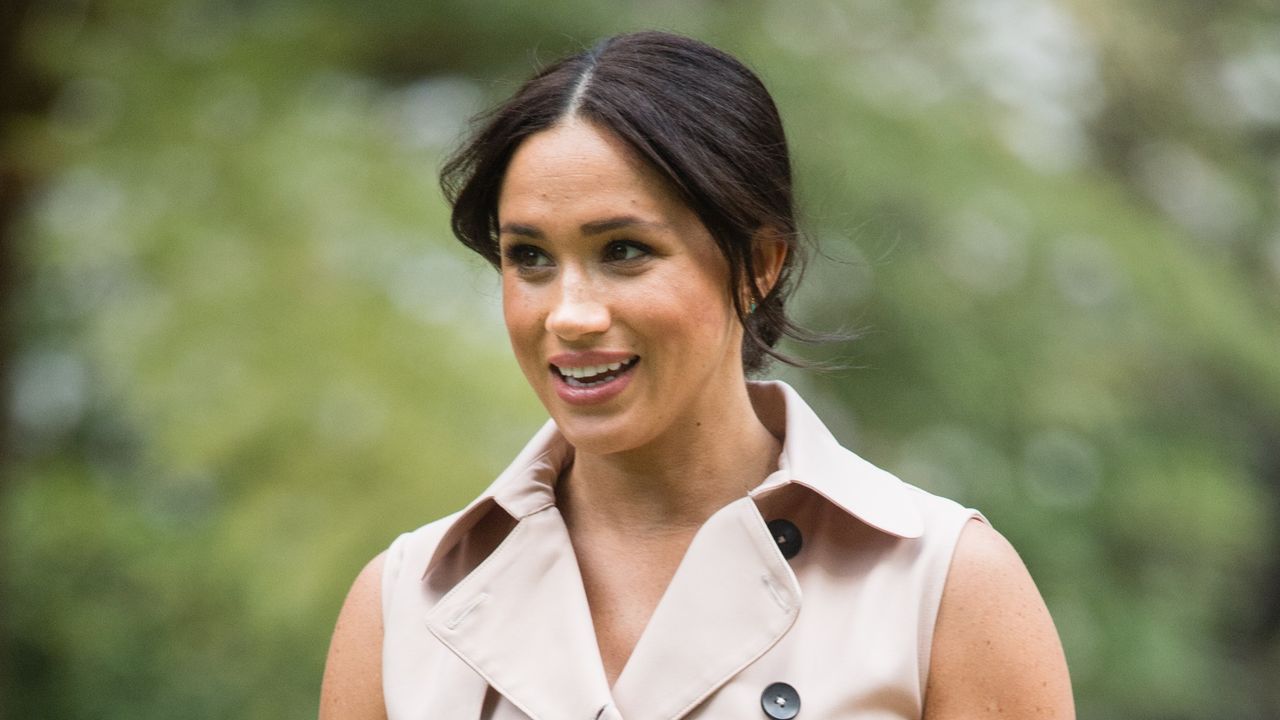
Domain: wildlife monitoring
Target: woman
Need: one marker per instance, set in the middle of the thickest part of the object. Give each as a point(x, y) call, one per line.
point(676, 541)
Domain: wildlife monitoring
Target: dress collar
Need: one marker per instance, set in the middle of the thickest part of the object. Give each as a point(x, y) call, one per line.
point(811, 457)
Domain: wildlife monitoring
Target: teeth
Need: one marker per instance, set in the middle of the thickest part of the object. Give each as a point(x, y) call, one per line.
point(586, 371)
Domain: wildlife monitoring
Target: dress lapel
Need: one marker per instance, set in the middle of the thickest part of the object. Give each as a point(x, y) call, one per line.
point(521, 620)
point(731, 599)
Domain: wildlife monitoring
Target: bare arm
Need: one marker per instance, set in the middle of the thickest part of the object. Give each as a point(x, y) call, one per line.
point(995, 652)
point(352, 688)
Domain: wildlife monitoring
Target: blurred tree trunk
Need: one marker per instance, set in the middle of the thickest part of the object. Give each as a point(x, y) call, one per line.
point(20, 94)
point(17, 97)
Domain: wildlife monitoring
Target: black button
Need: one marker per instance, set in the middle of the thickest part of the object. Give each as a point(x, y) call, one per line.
point(787, 535)
point(780, 701)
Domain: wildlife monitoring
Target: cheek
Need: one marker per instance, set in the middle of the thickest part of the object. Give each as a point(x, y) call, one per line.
point(693, 324)
point(520, 314)
point(692, 301)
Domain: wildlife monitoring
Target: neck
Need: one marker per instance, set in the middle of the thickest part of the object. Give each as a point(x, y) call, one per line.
point(674, 483)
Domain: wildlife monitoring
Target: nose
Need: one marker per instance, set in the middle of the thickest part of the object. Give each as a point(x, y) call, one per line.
point(579, 309)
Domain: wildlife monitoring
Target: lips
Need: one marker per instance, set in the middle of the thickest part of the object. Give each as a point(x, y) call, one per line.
point(587, 378)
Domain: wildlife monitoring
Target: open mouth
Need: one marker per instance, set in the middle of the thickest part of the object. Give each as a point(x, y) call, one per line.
point(593, 375)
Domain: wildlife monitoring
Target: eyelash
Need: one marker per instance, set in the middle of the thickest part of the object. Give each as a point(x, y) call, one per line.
point(645, 250)
point(516, 255)
point(522, 255)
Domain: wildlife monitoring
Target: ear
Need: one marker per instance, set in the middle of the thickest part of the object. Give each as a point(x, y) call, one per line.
point(769, 255)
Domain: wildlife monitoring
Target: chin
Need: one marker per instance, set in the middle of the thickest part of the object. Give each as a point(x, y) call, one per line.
point(597, 436)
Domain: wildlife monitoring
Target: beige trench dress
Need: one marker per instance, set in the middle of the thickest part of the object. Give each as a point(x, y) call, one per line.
point(485, 614)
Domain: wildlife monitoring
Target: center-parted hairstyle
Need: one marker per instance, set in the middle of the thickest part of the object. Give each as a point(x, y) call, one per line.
point(696, 115)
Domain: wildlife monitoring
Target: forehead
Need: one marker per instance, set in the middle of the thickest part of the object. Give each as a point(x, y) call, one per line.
point(575, 167)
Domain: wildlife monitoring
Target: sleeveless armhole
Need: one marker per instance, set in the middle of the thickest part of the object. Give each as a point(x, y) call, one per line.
point(946, 529)
point(419, 676)
point(392, 561)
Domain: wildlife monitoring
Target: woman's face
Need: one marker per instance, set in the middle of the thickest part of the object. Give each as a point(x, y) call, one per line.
point(616, 297)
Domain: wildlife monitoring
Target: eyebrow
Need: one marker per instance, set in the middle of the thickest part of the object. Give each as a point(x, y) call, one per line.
point(622, 221)
point(595, 227)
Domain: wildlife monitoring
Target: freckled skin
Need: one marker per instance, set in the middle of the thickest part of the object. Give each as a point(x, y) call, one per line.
point(671, 308)
point(994, 646)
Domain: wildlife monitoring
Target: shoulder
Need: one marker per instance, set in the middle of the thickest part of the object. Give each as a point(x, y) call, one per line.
point(995, 649)
point(352, 686)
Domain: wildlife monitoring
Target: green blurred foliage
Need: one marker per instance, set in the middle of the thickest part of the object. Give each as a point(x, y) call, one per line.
point(250, 354)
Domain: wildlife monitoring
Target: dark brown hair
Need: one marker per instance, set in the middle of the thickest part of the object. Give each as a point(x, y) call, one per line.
point(699, 117)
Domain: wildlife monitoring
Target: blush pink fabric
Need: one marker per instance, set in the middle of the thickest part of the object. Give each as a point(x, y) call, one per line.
point(485, 614)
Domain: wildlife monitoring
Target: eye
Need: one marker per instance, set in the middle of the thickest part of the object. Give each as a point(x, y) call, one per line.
point(624, 251)
point(527, 256)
